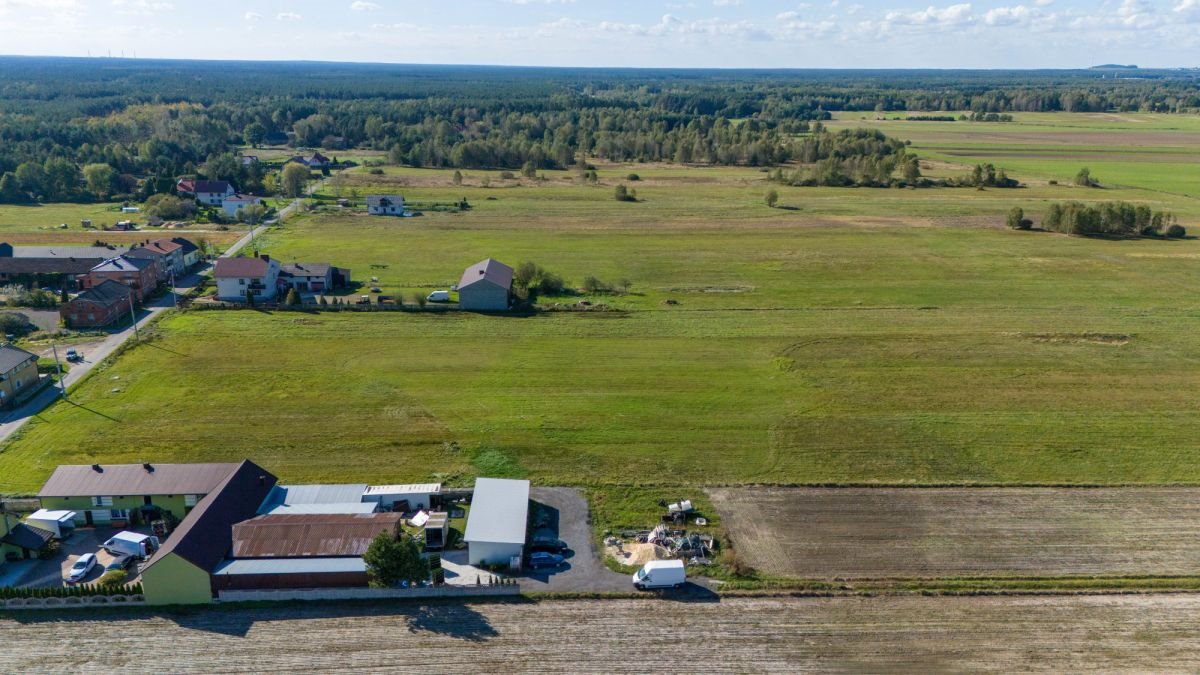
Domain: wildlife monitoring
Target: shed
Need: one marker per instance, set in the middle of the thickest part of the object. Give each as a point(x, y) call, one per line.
point(437, 531)
point(259, 573)
point(418, 495)
point(59, 523)
point(498, 520)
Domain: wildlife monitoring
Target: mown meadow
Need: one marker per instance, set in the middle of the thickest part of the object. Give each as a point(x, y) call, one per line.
point(891, 336)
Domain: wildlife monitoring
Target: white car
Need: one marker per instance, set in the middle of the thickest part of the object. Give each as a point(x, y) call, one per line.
point(81, 568)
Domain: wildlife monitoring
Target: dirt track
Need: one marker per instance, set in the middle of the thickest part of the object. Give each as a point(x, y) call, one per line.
point(998, 634)
point(942, 532)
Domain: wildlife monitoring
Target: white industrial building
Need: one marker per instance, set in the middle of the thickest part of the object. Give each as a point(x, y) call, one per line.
point(497, 522)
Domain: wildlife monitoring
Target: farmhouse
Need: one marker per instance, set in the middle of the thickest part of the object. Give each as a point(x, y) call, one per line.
point(97, 306)
point(213, 192)
point(100, 494)
point(498, 520)
point(486, 286)
point(18, 375)
point(385, 205)
point(139, 274)
point(231, 205)
point(235, 276)
point(180, 572)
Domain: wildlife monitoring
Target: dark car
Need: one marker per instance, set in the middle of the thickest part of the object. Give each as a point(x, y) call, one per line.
point(543, 559)
point(121, 562)
point(548, 544)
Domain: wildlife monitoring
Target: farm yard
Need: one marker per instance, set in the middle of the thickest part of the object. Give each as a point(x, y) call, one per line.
point(928, 634)
point(954, 532)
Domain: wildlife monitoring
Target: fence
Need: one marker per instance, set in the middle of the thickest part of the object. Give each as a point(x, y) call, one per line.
point(446, 591)
point(75, 601)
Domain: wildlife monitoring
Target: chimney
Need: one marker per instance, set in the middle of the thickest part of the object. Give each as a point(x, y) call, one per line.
point(262, 480)
point(97, 469)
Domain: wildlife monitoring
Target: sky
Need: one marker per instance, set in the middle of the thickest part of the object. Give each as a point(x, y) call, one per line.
point(627, 33)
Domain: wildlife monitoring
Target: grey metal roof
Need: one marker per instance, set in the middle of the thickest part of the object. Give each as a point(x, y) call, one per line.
point(11, 357)
point(48, 265)
point(300, 509)
point(117, 480)
point(305, 269)
point(123, 263)
point(492, 271)
point(289, 566)
point(322, 494)
point(499, 511)
point(388, 200)
point(67, 252)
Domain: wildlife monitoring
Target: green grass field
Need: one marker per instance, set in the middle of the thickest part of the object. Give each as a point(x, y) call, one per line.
point(860, 336)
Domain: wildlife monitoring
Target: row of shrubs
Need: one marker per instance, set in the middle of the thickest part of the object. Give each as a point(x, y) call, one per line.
point(76, 591)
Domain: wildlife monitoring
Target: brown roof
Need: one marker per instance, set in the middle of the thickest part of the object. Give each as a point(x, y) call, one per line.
point(116, 480)
point(205, 534)
point(107, 293)
point(303, 535)
point(48, 265)
point(163, 246)
point(240, 267)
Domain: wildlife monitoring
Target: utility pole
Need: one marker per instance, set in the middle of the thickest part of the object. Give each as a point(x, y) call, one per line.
point(58, 364)
point(133, 320)
point(174, 292)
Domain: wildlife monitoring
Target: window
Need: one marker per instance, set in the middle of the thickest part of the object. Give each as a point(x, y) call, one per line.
point(18, 384)
point(101, 501)
point(241, 282)
point(91, 317)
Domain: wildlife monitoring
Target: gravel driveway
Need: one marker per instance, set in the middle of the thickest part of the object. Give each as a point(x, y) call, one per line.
point(584, 571)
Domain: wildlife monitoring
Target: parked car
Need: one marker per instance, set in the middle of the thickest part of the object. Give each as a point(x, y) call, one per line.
point(543, 559)
point(82, 567)
point(660, 574)
point(121, 562)
point(74, 356)
point(548, 544)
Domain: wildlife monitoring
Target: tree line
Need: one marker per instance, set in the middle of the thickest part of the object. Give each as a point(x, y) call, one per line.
point(1118, 219)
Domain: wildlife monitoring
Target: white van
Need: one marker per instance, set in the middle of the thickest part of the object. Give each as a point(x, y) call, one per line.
point(660, 574)
point(131, 543)
point(439, 296)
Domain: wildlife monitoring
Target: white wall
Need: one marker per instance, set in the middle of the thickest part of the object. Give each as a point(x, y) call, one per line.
point(491, 552)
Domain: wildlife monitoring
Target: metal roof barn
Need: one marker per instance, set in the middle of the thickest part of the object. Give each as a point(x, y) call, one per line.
point(316, 535)
point(499, 511)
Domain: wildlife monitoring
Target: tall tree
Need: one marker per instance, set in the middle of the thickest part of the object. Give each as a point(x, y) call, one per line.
point(293, 179)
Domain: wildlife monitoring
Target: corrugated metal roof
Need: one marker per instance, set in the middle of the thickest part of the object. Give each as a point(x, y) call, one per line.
point(321, 494)
point(489, 270)
point(321, 535)
point(302, 509)
point(405, 489)
point(499, 511)
point(289, 566)
point(119, 480)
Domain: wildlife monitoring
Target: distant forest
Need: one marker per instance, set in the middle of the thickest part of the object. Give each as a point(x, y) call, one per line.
point(150, 121)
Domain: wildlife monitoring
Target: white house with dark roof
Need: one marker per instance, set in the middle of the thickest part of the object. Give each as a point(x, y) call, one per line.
point(385, 205)
point(231, 205)
point(235, 276)
point(213, 192)
point(486, 286)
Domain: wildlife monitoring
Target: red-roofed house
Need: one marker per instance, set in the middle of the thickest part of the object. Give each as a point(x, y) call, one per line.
point(235, 276)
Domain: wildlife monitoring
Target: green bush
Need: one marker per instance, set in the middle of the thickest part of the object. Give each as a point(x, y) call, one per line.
point(1176, 232)
point(113, 579)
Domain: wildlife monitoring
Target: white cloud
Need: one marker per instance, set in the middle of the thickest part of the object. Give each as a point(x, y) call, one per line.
point(540, 2)
point(253, 16)
point(360, 6)
point(1188, 10)
point(952, 15)
point(1043, 3)
point(141, 6)
point(288, 16)
point(726, 3)
point(1008, 16)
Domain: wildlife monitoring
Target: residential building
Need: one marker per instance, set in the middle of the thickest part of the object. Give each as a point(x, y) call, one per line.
point(233, 204)
point(247, 160)
point(170, 254)
point(498, 520)
point(191, 253)
point(186, 187)
point(181, 571)
point(139, 274)
point(100, 494)
point(156, 257)
point(317, 161)
point(385, 205)
point(312, 277)
point(235, 276)
point(18, 375)
point(486, 286)
point(98, 306)
point(213, 192)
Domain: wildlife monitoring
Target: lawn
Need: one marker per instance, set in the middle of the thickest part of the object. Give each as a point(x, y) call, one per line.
point(858, 336)
point(40, 225)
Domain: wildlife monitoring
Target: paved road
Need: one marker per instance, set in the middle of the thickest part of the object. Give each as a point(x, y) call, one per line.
point(15, 419)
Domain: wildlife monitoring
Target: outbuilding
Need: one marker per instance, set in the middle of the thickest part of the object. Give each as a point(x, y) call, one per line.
point(498, 521)
point(410, 496)
point(58, 523)
point(486, 286)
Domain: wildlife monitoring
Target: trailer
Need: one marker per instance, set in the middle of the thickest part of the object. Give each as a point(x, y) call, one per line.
point(59, 523)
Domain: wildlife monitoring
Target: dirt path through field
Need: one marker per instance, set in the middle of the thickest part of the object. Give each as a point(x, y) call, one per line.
point(943, 532)
point(916, 634)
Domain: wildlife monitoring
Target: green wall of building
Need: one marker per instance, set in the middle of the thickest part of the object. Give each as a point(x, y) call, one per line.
point(172, 503)
point(175, 581)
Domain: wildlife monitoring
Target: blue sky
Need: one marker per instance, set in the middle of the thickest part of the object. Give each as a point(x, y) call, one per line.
point(670, 33)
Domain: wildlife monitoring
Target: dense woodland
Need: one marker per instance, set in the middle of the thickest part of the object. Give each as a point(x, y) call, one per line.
point(84, 129)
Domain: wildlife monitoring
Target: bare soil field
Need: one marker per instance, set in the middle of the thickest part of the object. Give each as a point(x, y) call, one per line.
point(992, 634)
point(951, 532)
